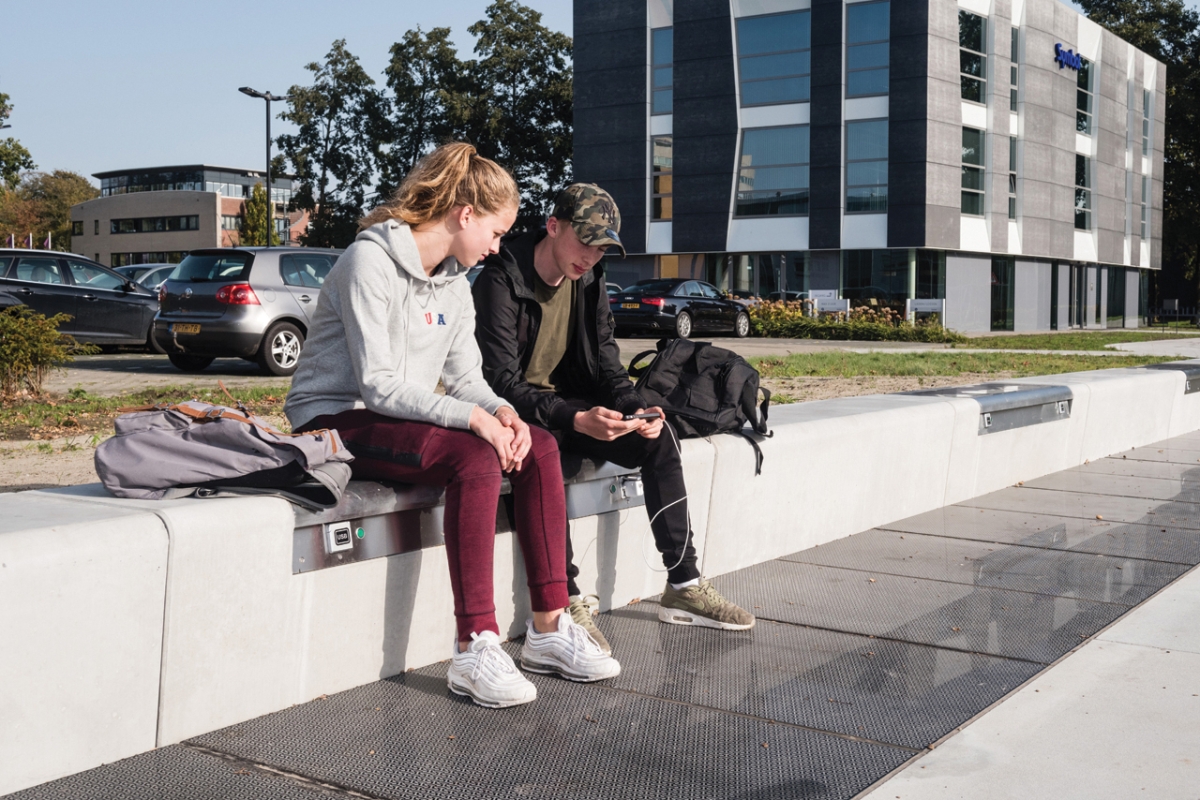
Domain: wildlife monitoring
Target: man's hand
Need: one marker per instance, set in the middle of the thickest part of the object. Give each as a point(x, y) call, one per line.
point(494, 432)
point(521, 440)
point(605, 424)
point(653, 427)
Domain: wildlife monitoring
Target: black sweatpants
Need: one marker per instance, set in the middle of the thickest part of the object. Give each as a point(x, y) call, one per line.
point(662, 477)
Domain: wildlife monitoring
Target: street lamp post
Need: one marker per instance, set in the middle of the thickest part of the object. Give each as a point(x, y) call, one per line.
point(246, 90)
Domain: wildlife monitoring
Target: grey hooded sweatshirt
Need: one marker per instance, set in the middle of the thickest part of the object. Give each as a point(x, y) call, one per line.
point(384, 333)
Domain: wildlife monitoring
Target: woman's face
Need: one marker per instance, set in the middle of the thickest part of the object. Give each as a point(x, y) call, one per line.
point(479, 234)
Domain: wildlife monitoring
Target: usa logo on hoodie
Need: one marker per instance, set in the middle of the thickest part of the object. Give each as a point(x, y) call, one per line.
point(441, 318)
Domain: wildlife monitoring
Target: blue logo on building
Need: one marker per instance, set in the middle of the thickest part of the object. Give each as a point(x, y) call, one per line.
point(1067, 58)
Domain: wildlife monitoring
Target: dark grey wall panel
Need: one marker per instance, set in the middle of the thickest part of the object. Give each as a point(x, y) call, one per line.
point(610, 140)
point(705, 126)
point(907, 126)
point(825, 132)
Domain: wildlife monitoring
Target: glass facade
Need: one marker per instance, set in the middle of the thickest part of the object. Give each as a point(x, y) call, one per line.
point(972, 172)
point(1083, 98)
point(875, 277)
point(227, 184)
point(1145, 207)
point(1014, 56)
point(154, 224)
point(972, 61)
point(773, 58)
point(1012, 177)
point(774, 276)
point(1147, 114)
point(661, 149)
point(773, 171)
point(1083, 193)
point(1003, 293)
point(168, 257)
point(931, 275)
point(866, 166)
point(662, 57)
point(1116, 297)
point(867, 37)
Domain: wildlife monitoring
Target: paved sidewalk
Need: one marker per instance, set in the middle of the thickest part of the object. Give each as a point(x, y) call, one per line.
point(984, 630)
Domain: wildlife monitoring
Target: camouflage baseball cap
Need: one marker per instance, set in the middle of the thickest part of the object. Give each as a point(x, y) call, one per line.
point(592, 213)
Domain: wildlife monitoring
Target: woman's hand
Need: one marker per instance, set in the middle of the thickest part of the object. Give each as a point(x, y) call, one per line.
point(521, 439)
point(493, 431)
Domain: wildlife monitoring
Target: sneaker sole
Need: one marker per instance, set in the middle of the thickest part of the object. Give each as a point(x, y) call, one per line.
point(556, 669)
point(678, 616)
point(464, 691)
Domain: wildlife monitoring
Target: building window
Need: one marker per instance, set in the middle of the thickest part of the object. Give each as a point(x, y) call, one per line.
point(972, 36)
point(661, 149)
point(1002, 293)
point(931, 275)
point(875, 277)
point(773, 171)
point(662, 57)
point(231, 222)
point(77, 227)
point(168, 257)
point(866, 166)
point(972, 172)
point(867, 35)
point(96, 227)
point(1014, 55)
point(773, 58)
point(154, 224)
point(1083, 193)
point(1012, 177)
point(1147, 110)
point(1145, 205)
point(1083, 98)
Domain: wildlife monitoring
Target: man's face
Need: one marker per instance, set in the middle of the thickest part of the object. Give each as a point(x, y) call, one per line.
point(572, 257)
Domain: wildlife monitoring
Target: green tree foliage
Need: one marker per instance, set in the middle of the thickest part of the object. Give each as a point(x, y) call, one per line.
point(31, 346)
point(257, 223)
point(14, 158)
point(331, 154)
point(41, 203)
point(1169, 31)
point(423, 72)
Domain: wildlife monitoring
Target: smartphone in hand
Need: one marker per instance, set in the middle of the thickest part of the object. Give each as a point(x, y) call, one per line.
point(644, 415)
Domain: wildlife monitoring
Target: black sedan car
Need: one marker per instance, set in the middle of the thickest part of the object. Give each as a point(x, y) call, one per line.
point(105, 307)
point(677, 306)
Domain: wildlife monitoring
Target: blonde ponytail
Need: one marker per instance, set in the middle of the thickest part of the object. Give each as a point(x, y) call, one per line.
point(452, 175)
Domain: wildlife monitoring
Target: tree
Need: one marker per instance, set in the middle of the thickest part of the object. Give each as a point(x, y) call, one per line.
point(14, 158)
point(257, 220)
point(517, 106)
point(1169, 31)
point(331, 154)
point(41, 204)
point(423, 71)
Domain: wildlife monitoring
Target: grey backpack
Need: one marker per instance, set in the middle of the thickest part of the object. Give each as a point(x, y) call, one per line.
point(202, 450)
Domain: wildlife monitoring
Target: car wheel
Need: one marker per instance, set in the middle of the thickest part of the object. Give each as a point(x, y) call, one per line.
point(683, 325)
point(189, 363)
point(741, 325)
point(280, 349)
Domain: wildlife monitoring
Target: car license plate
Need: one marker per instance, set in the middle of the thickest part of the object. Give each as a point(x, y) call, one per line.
point(631, 305)
point(185, 327)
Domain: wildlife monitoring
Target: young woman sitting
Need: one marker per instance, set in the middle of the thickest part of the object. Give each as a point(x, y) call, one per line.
point(396, 316)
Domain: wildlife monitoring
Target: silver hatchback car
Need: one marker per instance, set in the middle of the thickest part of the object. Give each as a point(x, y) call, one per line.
point(247, 302)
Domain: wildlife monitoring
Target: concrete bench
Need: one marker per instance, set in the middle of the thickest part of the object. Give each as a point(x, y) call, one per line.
point(133, 624)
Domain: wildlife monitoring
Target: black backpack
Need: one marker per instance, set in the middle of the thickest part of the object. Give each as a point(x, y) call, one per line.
point(704, 390)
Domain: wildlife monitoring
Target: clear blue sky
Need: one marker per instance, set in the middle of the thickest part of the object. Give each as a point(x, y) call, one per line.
point(129, 83)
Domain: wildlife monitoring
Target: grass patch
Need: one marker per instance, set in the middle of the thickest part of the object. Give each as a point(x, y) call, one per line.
point(1081, 340)
point(79, 413)
point(851, 365)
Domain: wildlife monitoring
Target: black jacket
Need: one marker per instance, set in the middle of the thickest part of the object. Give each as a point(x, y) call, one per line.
point(507, 318)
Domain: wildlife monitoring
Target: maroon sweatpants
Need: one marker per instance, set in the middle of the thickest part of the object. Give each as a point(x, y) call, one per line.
point(417, 452)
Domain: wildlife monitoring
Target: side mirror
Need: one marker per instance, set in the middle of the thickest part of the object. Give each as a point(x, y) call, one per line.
point(130, 286)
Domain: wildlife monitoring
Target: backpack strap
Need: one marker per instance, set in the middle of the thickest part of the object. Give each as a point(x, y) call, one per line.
point(762, 410)
point(758, 453)
point(636, 372)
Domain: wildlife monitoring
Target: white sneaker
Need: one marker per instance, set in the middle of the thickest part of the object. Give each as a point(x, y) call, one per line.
point(568, 652)
point(487, 675)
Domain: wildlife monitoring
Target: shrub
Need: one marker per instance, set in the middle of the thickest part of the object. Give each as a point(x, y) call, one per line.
point(788, 320)
point(30, 346)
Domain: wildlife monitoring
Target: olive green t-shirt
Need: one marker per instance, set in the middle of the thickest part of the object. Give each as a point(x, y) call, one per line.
point(554, 335)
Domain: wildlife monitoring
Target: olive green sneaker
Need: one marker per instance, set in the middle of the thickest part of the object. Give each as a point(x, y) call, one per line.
point(582, 609)
point(704, 606)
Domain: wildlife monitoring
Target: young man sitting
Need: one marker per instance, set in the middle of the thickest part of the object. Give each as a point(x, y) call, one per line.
point(546, 334)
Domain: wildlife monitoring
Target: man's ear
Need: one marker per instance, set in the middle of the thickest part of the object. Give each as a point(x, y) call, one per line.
point(552, 227)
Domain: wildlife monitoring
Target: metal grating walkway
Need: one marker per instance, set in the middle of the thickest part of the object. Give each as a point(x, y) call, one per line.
point(869, 649)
